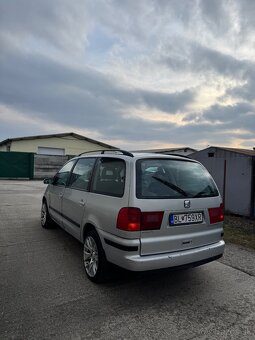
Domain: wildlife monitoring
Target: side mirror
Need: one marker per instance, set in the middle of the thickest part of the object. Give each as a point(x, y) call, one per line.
point(48, 181)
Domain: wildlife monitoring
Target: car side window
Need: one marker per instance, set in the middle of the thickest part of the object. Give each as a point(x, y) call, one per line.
point(109, 178)
point(81, 174)
point(61, 177)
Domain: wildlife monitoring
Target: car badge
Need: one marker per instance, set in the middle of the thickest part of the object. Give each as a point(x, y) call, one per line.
point(186, 204)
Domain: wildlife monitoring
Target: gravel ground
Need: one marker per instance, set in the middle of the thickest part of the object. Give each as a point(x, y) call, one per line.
point(238, 256)
point(241, 222)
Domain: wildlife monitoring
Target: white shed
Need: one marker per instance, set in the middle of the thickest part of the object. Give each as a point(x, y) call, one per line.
point(59, 144)
point(234, 172)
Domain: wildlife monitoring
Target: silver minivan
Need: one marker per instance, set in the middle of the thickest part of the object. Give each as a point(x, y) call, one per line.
point(137, 211)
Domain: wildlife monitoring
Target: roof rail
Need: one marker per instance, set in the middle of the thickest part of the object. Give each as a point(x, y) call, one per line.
point(124, 152)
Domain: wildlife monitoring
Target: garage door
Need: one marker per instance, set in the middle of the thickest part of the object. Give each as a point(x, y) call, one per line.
point(50, 151)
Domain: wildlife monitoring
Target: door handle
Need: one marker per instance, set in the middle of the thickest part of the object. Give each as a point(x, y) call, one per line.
point(82, 203)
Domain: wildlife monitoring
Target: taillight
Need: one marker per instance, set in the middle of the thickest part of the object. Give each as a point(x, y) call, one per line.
point(216, 214)
point(132, 219)
point(129, 219)
point(151, 220)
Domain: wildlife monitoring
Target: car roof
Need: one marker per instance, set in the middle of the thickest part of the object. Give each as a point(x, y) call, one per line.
point(122, 154)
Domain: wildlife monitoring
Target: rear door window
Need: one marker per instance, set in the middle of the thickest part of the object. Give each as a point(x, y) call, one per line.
point(109, 177)
point(169, 178)
point(81, 174)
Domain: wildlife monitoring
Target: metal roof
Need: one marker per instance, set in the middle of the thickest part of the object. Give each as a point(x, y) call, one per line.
point(246, 152)
point(166, 150)
point(58, 135)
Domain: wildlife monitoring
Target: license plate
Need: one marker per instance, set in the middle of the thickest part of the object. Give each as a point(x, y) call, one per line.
point(189, 218)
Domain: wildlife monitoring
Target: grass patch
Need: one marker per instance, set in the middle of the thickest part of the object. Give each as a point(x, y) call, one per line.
point(239, 235)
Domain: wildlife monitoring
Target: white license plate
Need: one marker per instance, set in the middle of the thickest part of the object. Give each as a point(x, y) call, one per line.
point(189, 218)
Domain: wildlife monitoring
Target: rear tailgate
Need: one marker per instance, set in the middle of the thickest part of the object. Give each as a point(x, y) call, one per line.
point(184, 191)
point(185, 235)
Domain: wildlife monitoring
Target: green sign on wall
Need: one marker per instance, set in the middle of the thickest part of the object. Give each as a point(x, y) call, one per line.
point(16, 164)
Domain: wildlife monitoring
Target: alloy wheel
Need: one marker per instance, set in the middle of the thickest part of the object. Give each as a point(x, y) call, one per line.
point(90, 256)
point(43, 214)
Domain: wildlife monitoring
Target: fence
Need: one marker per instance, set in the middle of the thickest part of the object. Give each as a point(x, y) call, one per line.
point(16, 165)
point(29, 165)
point(47, 165)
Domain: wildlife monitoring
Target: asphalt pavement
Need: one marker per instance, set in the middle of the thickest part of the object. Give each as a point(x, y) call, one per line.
point(44, 293)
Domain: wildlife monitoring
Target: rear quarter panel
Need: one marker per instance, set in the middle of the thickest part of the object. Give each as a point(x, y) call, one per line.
point(102, 210)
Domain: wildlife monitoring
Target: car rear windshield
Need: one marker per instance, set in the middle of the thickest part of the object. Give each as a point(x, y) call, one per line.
point(169, 178)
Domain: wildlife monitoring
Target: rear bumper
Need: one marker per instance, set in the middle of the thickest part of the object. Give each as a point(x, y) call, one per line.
point(131, 260)
point(191, 257)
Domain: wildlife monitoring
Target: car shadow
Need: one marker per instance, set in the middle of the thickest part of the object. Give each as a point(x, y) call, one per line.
point(162, 280)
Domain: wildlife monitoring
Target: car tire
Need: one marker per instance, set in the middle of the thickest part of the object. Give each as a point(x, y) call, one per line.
point(94, 260)
point(46, 220)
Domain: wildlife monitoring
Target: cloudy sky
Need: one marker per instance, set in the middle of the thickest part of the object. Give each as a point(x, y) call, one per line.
point(134, 74)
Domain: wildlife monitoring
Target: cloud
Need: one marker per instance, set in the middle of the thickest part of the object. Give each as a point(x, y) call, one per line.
point(57, 24)
point(215, 15)
point(196, 58)
point(246, 10)
point(227, 113)
point(246, 91)
point(90, 66)
point(66, 93)
point(223, 125)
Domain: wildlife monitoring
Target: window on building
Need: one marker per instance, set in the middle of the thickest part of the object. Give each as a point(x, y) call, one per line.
point(42, 150)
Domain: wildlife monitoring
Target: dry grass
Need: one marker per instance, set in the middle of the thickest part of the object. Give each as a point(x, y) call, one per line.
point(240, 230)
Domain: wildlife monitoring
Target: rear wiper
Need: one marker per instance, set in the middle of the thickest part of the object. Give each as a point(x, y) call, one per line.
point(171, 185)
point(204, 191)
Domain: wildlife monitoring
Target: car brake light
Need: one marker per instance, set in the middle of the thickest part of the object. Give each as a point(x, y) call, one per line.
point(216, 214)
point(132, 219)
point(129, 219)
